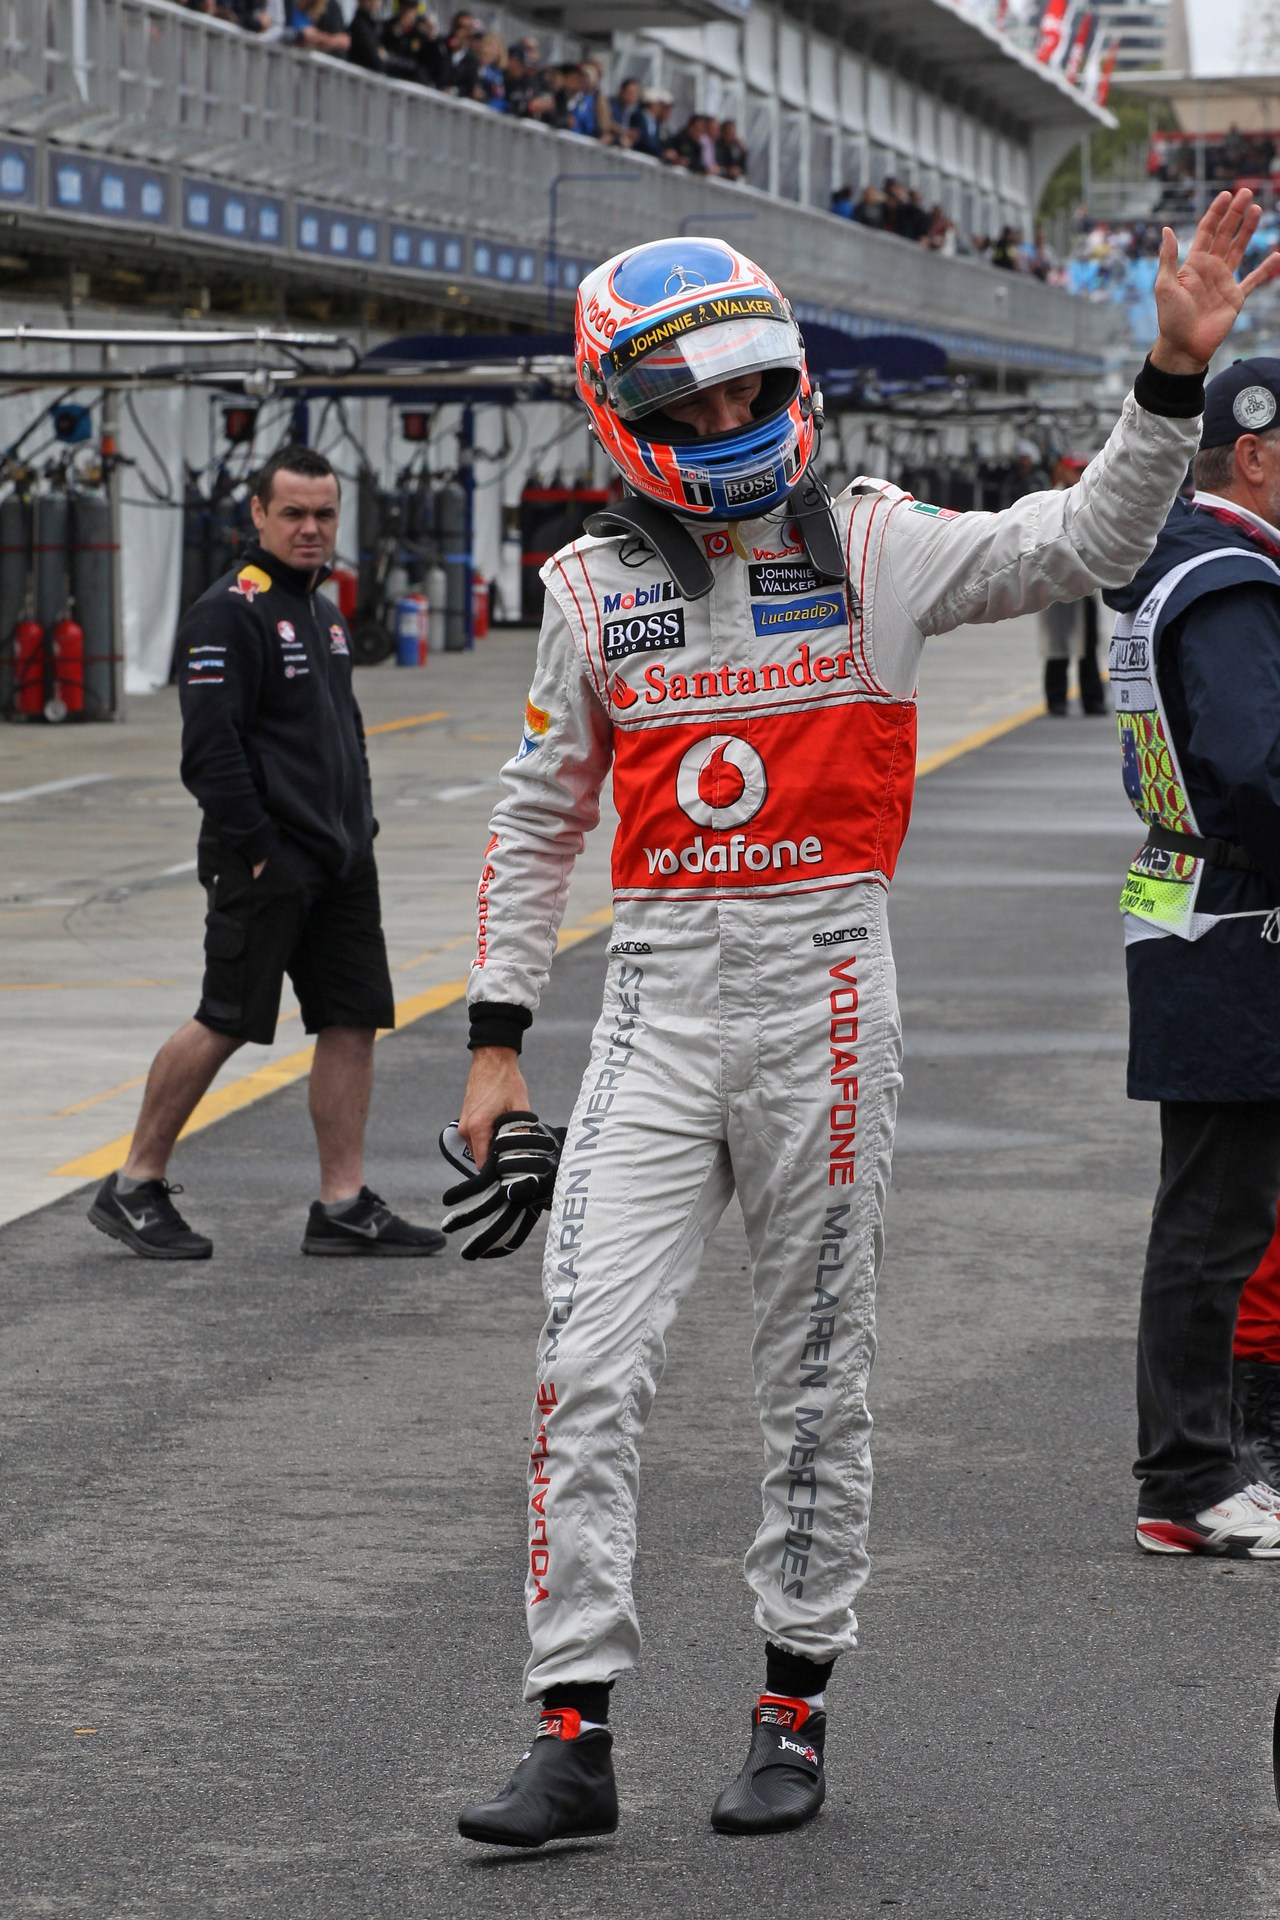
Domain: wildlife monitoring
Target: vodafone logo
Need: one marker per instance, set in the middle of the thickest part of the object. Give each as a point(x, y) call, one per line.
point(718, 545)
point(721, 782)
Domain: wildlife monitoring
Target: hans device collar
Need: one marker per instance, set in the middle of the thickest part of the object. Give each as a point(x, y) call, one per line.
point(809, 506)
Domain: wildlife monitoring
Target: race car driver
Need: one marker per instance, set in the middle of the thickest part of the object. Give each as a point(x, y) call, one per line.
point(743, 652)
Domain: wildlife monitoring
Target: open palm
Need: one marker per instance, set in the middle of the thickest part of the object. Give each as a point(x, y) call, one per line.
point(1197, 302)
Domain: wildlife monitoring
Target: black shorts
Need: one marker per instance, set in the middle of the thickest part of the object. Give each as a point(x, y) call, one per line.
point(295, 918)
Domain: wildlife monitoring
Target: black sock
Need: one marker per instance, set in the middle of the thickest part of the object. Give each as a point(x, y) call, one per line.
point(590, 1698)
point(792, 1675)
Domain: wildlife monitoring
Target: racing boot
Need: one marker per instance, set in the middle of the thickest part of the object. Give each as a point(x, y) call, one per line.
point(1256, 1391)
point(782, 1783)
point(563, 1789)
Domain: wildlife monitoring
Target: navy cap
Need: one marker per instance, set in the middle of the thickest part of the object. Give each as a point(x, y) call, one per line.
point(1244, 398)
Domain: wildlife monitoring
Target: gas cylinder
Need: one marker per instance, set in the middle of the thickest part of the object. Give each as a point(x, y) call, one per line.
point(15, 585)
point(479, 607)
point(412, 617)
point(49, 550)
point(28, 667)
point(94, 559)
point(437, 600)
point(345, 583)
point(451, 529)
point(67, 642)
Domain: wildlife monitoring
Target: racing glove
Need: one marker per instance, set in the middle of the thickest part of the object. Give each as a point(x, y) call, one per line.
point(497, 1205)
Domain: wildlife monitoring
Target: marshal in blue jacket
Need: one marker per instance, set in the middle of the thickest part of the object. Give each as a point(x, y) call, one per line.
point(1204, 1015)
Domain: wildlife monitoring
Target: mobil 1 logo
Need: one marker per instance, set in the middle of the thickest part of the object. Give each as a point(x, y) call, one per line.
point(644, 633)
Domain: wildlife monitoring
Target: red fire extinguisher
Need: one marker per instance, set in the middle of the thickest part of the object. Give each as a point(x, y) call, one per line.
point(28, 666)
point(67, 641)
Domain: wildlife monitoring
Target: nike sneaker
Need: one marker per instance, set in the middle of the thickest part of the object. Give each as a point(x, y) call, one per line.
point(368, 1227)
point(147, 1221)
point(563, 1789)
point(783, 1783)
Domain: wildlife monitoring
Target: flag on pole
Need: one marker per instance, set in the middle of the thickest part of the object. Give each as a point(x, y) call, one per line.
point(1079, 46)
point(1051, 24)
point(1108, 68)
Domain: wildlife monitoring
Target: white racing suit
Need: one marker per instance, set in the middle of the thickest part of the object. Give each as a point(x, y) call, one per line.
point(762, 741)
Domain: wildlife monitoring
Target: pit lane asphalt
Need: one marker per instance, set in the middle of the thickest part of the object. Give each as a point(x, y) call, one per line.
point(263, 1518)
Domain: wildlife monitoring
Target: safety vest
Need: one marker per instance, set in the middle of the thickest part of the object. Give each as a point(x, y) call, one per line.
point(1161, 887)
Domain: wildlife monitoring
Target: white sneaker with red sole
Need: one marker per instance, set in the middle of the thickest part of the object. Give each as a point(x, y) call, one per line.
point(1244, 1527)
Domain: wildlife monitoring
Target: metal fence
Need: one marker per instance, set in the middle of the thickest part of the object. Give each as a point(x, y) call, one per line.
point(147, 81)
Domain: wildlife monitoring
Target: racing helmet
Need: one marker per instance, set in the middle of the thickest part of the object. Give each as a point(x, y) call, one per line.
point(665, 320)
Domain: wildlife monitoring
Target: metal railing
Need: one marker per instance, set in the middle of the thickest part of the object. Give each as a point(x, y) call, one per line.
point(148, 81)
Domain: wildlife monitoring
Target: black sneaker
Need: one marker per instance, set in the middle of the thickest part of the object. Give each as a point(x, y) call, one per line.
point(368, 1227)
point(782, 1783)
point(1256, 1384)
point(563, 1789)
point(147, 1221)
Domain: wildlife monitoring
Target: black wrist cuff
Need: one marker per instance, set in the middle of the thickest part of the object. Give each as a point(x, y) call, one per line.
point(1174, 396)
point(495, 1025)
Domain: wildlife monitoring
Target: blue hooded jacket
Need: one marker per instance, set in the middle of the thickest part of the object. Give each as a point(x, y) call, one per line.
point(1204, 1015)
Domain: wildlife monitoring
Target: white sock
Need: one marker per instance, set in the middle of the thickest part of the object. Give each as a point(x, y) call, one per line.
point(814, 1699)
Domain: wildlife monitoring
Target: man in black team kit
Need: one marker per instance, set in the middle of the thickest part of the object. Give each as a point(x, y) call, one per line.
point(273, 750)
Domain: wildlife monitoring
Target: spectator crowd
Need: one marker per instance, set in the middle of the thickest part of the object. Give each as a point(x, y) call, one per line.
point(401, 40)
point(900, 210)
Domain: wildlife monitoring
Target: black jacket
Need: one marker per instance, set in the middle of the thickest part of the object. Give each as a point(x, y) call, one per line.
point(272, 739)
point(1204, 1015)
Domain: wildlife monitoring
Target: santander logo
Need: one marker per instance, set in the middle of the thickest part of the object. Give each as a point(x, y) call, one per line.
point(721, 782)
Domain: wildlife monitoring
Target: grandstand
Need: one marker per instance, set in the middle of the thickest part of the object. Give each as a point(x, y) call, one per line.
point(162, 167)
point(142, 131)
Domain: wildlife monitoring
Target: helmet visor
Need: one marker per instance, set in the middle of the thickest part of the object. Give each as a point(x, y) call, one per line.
point(701, 358)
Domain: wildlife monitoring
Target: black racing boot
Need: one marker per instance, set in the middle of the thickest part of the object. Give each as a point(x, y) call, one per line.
point(782, 1783)
point(1256, 1391)
point(563, 1789)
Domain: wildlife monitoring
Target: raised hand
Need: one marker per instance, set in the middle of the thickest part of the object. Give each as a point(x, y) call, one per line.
point(1197, 302)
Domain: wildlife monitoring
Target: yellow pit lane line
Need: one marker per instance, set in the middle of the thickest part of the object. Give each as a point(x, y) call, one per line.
point(410, 720)
point(242, 1092)
point(221, 1101)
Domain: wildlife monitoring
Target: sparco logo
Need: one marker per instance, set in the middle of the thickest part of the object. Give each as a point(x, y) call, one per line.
point(837, 935)
point(640, 596)
point(631, 946)
point(721, 782)
point(645, 633)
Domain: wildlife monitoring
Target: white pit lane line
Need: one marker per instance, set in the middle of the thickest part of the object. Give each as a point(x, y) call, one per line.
point(53, 786)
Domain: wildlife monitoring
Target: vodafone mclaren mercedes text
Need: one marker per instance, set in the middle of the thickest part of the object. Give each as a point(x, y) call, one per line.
point(762, 768)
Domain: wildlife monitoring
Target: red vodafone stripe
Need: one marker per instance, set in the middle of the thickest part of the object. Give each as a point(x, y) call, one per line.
point(604, 665)
point(582, 620)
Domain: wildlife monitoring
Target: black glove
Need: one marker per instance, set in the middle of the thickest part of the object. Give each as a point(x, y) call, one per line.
point(498, 1204)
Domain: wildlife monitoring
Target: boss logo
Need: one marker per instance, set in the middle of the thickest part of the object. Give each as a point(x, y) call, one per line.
point(645, 633)
point(754, 486)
